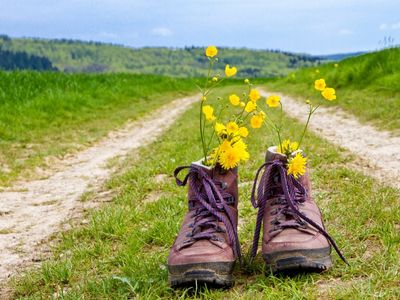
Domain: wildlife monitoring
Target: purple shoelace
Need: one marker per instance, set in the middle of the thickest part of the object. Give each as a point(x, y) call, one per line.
point(292, 193)
point(211, 205)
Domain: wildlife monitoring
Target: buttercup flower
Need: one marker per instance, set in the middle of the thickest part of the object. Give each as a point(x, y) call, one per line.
point(329, 94)
point(232, 127)
point(250, 106)
point(208, 111)
point(254, 95)
point(256, 121)
point(234, 99)
point(242, 104)
point(273, 101)
point(320, 84)
point(297, 165)
point(243, 131)
point(230, 71)
point(211, 51)
point(219, 128)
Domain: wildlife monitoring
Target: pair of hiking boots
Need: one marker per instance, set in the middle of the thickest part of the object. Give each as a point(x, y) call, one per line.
point(207, 245)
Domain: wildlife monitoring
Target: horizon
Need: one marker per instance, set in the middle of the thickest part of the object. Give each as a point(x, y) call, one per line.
point(312, 27)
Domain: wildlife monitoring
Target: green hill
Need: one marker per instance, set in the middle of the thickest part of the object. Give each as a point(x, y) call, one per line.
point(79, 56)
point(367, 85)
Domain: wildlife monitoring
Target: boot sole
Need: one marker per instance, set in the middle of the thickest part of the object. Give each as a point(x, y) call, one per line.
point(217, 274)
point(296, 261)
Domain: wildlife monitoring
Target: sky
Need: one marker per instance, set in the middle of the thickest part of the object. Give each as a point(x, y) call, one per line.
point(307, 26)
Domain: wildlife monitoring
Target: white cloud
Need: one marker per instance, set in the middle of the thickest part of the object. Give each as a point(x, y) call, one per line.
point(162, 31)
point(345, 32)
point(392, 26)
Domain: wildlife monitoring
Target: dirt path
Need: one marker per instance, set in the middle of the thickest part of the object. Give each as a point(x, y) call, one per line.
point(378, 152)
point(32, 211)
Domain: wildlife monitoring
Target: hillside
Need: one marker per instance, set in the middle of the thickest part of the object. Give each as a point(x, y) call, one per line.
point(367, 86)
point(79, 56)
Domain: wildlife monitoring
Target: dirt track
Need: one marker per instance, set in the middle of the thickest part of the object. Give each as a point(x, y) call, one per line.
point(32, 211)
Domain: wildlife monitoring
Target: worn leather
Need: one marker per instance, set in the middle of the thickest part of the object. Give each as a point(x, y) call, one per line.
point(206, 250)
point(288, 239)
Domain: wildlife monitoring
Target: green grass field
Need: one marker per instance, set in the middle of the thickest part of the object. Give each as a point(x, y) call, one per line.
point(121, 253)
point(46, 115)
point(367, 86)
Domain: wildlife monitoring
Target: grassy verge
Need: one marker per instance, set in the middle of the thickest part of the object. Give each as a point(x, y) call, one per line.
point(122, 252)
point(367, 86)
point(49, 114)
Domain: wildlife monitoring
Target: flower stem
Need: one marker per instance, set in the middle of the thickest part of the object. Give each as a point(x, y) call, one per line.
point(312, 110)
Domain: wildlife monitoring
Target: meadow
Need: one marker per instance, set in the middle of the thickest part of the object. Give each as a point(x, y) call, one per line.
point(367, 85)
point(44, 116)
point(121, 253)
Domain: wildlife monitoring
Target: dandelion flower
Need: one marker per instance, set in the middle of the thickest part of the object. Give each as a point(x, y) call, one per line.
point(225, 146)
point(230, 158)
point(234, 99)
point(229, 72)
point(243, 131)
point(254, 95)
point(232, 127)
point(208, 111)
point(320, 84)
point(241, 149)
point(273, 101)
point(297, 165)
point(256, 121)
point(250, 106)
point(329, 94)
point(211, 51)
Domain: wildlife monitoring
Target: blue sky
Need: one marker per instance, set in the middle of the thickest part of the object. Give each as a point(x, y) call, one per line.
point(317, 27)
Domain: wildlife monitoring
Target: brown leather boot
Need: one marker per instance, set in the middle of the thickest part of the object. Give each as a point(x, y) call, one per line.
point(207, 244)
point(294, 237)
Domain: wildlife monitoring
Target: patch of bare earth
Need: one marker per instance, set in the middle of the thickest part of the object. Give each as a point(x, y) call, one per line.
point(378, 152)
point(32, 211)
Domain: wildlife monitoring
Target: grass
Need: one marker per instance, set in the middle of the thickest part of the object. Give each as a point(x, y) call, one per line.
point(367, 86)
point(46, 115)
point(121, 253)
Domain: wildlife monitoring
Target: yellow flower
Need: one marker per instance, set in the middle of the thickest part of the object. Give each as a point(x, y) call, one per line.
point(225, 146)
point(273, 101)
point(250, 106)
point(243, 131)
point(320, 84)
point(329, 94)
point(208, 111)
point(242, 104)
point(308, 101)
point(294, 146)
point(232, 127)
point(284, 147)
point(219, 128)
point(230, 158)
point(336, 65)
point(256, 121)
point(254, 95)
point(297, 165)
point(230, 71)
point(241, 147)
point(246, 81)
point(215, 79)
point(234, 99)
point(203, 98)
point(211, 51)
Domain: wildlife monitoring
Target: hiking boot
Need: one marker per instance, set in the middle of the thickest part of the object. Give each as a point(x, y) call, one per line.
point(207, 244)
point(294, 237)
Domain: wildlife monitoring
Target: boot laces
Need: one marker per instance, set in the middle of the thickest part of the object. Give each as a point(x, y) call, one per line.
point(290, 195)
point(211, 206)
